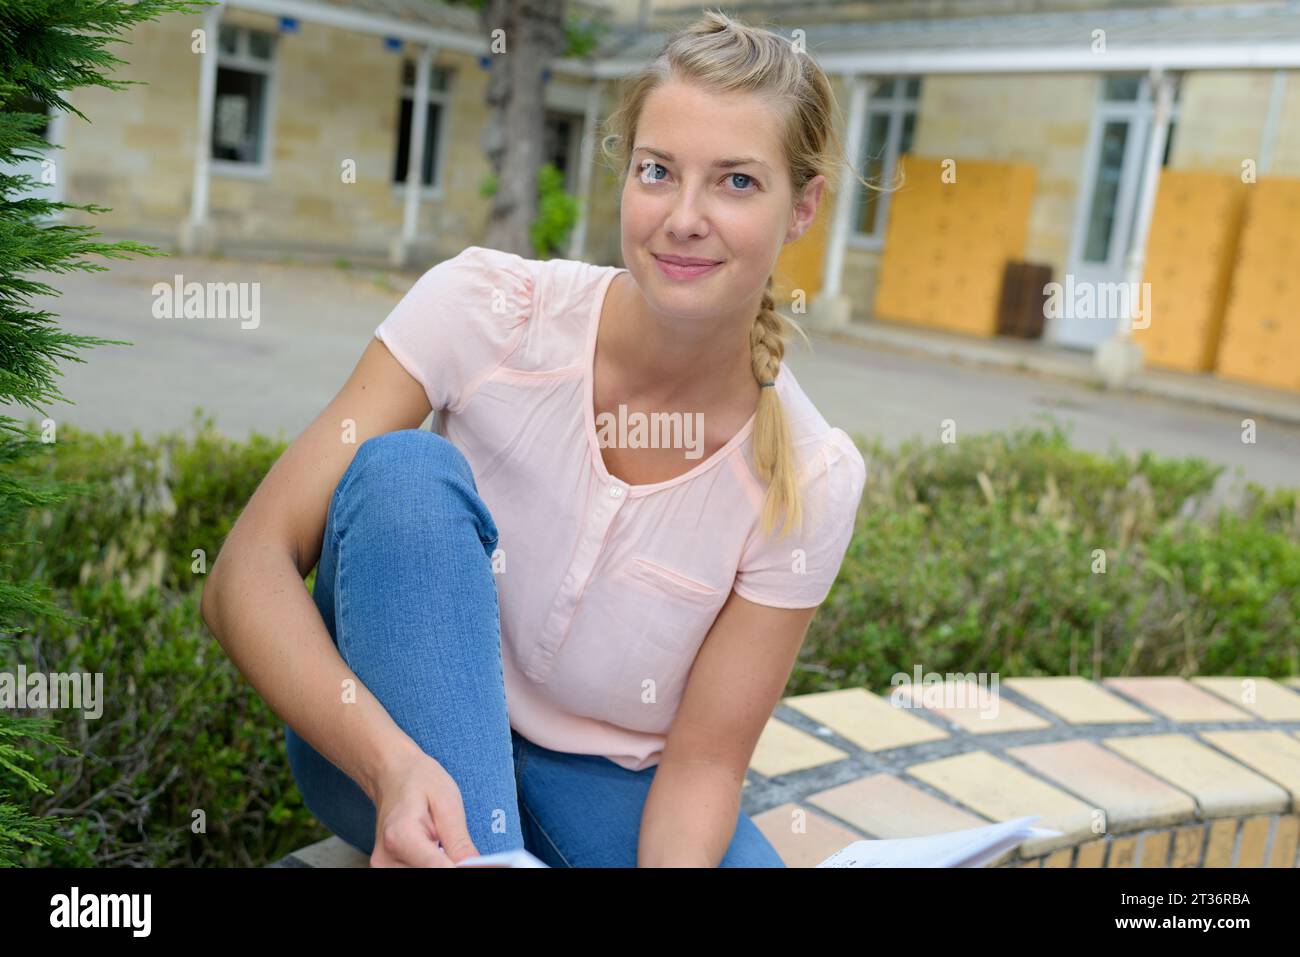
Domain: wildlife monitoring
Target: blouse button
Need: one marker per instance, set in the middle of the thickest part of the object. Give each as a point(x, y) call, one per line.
point(615, 492)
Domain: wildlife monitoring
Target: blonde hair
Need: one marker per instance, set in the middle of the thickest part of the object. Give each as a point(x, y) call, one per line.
point(718, 53)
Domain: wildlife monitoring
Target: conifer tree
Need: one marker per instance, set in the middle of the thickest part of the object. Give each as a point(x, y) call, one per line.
point(47, 47)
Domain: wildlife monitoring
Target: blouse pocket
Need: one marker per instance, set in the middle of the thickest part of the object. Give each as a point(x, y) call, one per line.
point(662, 577)
point(683, 608)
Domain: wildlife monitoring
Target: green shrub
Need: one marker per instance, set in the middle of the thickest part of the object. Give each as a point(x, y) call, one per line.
point(979, 556)
point(182, 730)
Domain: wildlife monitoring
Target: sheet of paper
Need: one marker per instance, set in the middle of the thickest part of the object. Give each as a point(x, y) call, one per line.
point(516, 858)
point(973, 847)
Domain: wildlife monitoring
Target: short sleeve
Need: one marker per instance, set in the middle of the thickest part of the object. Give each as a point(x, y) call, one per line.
point(797, 571)
point(460, 321)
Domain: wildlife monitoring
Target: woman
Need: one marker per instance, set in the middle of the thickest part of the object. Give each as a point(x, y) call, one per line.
point(524, 633)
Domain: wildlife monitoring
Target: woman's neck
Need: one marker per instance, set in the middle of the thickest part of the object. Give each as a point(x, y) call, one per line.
point(681, 365)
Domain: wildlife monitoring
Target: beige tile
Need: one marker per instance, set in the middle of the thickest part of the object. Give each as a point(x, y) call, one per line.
point(1131, 797)
point(1077, 700)
point(1262, 697)
point(1062, 858)
point(1221, 786)
point(1178, 699)
point(885, 807)
point(1123, 852)
point(1223, 838)
point(868, 720)
point(975, 709)
point(1254, 840)
point(801, 836)
point(1284, 842)
point(1092, 854)
point(1274, 754)
point(1153, 849)
point(1001, 791)
point(782, 749)
point(1187, 846)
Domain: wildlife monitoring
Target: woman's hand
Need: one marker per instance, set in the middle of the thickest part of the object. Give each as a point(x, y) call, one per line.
point(421, 817)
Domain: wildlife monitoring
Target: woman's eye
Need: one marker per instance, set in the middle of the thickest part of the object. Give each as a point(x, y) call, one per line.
point(648, 168)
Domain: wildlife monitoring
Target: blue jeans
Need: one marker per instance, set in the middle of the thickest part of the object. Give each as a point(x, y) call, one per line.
point(405, 587)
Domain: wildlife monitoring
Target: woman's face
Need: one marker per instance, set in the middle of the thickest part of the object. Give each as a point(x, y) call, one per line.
point(686, 197)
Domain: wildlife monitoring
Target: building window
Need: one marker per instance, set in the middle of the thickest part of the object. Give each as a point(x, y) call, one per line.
point(430, 164)
point(241, 110)
point(559, 142)
point(891, 128)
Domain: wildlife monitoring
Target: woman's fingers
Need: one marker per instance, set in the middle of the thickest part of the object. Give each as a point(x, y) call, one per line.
point(449, 816)
point(408, 844)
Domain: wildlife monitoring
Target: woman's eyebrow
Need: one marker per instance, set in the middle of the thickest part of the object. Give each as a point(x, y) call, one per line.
point(720, 164)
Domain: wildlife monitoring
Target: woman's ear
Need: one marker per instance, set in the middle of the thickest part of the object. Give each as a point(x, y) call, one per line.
point(805, 208)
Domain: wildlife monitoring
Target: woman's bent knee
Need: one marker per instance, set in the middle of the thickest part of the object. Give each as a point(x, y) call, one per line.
point(408, 481)
point(407, 451)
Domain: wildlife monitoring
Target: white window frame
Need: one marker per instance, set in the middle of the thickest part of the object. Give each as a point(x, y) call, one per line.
point(443, 99)
point(242, 59)
point(896, 107)
point(1138, 112)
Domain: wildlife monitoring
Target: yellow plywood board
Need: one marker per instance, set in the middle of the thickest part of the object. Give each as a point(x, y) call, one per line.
point(1261, 334)
point(952, 227)
point(1191, 250)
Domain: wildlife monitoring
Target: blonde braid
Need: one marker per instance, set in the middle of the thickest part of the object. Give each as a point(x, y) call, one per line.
point(773, 450)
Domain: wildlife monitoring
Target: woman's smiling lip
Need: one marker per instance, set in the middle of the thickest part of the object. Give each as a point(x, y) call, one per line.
point(684, 267)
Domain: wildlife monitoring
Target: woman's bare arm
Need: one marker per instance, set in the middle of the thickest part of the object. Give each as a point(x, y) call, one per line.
point(254, 601)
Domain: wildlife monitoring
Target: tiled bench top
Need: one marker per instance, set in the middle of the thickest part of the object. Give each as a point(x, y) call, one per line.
point(1137, 772)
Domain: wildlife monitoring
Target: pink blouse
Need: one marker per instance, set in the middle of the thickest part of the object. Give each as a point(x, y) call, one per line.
point(606, 589)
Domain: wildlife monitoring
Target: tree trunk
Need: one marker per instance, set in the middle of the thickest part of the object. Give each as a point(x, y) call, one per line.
point(533, 38)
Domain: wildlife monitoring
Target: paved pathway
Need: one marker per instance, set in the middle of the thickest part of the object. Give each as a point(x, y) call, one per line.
point(1136, 772)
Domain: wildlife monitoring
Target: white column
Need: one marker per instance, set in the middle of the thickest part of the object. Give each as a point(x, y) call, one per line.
point(831, 309)
point(415, 154)
point(1119, 358)
point(578, 241)
point(1163, 86)
point(191, 232)
point(833, 268)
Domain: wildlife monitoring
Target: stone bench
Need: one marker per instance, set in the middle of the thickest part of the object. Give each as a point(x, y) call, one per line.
point(1136, 772)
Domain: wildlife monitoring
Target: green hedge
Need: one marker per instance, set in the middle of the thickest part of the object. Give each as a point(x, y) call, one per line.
point(181, 730)
point(979, 556)
point(976, 556)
